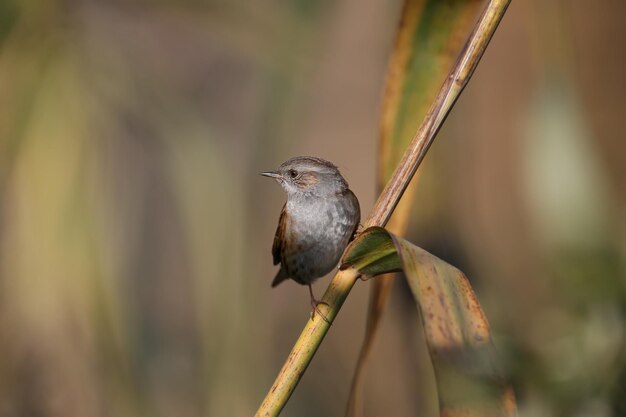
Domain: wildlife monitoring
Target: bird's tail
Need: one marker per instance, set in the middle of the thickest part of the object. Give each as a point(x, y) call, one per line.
point(280, 277)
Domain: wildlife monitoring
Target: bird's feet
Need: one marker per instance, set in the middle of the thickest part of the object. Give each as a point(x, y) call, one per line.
point(315, 303)
point(315, 309)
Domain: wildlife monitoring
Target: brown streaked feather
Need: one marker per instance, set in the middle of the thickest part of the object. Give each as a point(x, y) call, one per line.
point(306, 180)
point(313, 159)
point(279, 237)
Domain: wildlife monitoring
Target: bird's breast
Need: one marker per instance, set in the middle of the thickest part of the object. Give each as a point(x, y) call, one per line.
point(321, 220)
point(317, 233)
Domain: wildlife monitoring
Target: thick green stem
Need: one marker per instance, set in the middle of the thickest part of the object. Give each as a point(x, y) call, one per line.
point(307, 345)
point(340, 286)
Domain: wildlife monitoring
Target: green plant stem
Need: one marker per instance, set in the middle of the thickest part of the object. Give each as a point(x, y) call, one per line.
point(341, 284)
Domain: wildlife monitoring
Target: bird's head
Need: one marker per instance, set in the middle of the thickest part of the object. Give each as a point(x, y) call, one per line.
point(307, 175)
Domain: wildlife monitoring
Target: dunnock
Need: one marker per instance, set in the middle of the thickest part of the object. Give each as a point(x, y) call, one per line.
point(316, 223)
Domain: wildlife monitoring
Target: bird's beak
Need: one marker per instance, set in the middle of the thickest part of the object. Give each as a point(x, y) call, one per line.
point(272, 174)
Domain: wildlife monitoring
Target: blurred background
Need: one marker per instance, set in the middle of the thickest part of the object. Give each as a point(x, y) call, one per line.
point(135, 233)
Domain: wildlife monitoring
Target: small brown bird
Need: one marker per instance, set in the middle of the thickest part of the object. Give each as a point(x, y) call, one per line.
point(316, 223)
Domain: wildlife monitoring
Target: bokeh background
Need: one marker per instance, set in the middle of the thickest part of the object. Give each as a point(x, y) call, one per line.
point(135, 233)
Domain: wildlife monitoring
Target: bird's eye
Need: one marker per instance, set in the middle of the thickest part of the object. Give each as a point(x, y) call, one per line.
point(293, 173)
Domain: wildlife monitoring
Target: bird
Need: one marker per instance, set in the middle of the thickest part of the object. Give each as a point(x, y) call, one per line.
point(318, 220)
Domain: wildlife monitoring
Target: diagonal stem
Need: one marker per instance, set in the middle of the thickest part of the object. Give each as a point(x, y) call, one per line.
point(340, 286)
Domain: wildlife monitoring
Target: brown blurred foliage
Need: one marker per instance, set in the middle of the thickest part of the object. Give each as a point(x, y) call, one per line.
point(135, 232)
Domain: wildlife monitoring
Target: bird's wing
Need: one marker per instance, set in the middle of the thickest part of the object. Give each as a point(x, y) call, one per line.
point(279, 237)
point(357, 206)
